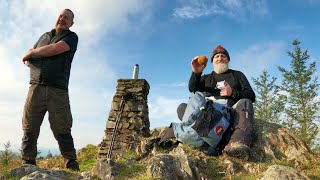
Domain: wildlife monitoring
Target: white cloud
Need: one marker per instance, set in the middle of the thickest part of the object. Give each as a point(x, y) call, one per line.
point(174, 85)
point(258, 57)
point(240, 10)
point(195, 9)
point(162, 111)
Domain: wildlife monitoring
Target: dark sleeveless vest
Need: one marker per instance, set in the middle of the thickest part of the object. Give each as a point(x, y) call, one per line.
point(53, 71)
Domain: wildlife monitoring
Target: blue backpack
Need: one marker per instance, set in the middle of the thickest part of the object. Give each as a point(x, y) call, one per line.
point(209, 123)
point(212, 122)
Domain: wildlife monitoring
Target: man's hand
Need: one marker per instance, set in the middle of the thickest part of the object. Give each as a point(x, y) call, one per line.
point(196, 66)
point(27, 55)
point(227, 90)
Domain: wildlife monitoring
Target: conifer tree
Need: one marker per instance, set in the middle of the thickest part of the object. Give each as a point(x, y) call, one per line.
point(300, 86)
point(49, 155)
point(268, 105)
point(7, 155)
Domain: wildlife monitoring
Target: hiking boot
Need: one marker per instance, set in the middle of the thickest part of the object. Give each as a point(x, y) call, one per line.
point(151, 143)
point(238, 150)
point(166, 136)
point(31, 162)
point(72, 165)
point(212, 151)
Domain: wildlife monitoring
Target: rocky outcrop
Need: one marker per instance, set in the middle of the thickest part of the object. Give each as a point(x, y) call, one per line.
point(272, 144)
point(32, 172)
point(283, 173)
point(166, 166)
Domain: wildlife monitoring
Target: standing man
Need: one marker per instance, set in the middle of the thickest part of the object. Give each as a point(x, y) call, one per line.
point(225, 86)
point(50, 64)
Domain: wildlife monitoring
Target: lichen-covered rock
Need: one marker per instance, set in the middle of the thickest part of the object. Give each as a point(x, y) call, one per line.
point(275, 143)
point(272, 143)
point(31, 172)
point(231, 167)
point(169, 167)
point(177, 164)
point(105, 170)
point(278, 172)
point(156, 132)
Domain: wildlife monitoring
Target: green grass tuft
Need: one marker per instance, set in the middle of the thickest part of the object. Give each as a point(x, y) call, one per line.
point(87, 165)
point(131, 171)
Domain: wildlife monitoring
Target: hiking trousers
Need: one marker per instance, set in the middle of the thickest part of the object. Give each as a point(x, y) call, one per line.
point(243, 122)
point(41, 99)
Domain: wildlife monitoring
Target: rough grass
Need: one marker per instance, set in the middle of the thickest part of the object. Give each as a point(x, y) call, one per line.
point(5, 170)
point(313, 171)
point(213, 170)
point(87, 157)
point(131, 169)
point(283, 163)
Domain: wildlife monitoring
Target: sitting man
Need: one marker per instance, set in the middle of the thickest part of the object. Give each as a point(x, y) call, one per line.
point(225, 86)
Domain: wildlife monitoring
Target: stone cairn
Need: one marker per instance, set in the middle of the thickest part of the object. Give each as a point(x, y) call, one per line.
point(134, 122)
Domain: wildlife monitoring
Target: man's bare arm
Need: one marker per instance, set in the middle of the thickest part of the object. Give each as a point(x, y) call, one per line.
point(47, 50)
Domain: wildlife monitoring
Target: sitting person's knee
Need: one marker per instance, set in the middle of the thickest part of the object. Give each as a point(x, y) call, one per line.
point(244, 104)
point(181, 109)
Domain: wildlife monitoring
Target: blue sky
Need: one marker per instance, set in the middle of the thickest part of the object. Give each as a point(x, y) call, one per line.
point(161, 36)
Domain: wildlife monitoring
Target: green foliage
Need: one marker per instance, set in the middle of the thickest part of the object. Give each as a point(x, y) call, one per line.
point(7, 158)
point(128, 155)
point(87, 157)
point(7, 155)
point(212, 169)
point(88, 152)
point(49, 155)
point(269, 103)
point(316, 149)
point(129, 171)
point(38, 152)
point(283, 163)
point(87, 165)
point(313, 170)
point(300, 86)
point(7, 175)
point(56, 161)
point(243, 177)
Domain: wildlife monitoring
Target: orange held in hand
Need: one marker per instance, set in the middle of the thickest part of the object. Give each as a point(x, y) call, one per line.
point(203, 60)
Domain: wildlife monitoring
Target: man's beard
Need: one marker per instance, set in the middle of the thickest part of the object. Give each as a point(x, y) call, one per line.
point(60, 27)
point(221, 68)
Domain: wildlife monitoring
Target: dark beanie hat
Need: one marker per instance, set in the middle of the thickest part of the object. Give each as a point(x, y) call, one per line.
point(219, 50)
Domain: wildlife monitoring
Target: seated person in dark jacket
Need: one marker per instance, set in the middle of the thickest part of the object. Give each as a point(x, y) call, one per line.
point(230, 87)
